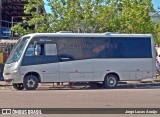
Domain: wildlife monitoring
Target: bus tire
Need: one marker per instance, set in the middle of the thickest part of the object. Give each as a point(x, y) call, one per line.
point(18, 86)
point(30, 82)
point(110, 81)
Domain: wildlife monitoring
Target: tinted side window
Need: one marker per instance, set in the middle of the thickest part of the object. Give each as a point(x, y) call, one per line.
point(127, 47)
point(78, 48)
point(137, 47)
point(70, 47)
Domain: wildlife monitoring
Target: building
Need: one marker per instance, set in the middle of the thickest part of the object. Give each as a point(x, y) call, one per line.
point(11, 12)
point(155, 16)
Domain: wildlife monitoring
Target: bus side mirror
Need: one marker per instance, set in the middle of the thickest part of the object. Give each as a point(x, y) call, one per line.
point(158, 55)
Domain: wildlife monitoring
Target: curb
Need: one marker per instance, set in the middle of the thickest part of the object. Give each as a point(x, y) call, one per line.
point(3, 83)
point(143, 84)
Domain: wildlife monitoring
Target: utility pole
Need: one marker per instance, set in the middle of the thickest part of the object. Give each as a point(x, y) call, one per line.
point(37, 11)
point(36, 25)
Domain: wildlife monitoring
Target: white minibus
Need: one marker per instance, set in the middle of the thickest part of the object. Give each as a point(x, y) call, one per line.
point(105, 58)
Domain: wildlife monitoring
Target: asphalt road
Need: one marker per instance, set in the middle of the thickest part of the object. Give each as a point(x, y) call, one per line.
point(142, 97)
point(91, 98)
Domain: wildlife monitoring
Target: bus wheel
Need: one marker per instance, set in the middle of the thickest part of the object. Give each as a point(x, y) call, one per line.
point(110, 81)
point(30, 82)
point(18, 86)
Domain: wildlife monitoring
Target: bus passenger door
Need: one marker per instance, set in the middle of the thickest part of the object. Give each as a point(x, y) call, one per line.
point(51, 67)
point(42, 59)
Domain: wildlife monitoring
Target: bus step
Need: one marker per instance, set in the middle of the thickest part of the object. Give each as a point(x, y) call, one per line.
point(156, 80)
point(121, 83)
point(146, 81)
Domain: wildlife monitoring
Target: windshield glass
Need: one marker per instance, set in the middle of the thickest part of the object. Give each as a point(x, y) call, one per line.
point(17, 50)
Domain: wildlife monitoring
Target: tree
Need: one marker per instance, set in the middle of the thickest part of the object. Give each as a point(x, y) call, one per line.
point(37, 22)
point(157, 32)
point(79, 15)
point(127, 16)
point(135, 18)
point(96, 16)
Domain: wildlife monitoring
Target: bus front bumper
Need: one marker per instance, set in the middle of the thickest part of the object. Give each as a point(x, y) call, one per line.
point(12, 77)
point(7, 77)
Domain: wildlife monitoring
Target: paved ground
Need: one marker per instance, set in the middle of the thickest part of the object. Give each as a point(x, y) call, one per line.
point(101, 98)
point(126, 96)
point(91, 98)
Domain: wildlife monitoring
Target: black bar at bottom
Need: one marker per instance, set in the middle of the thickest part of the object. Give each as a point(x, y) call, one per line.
point(80, 111)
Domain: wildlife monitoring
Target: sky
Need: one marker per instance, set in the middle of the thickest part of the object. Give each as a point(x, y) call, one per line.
point(48, 10)
point(156, 3)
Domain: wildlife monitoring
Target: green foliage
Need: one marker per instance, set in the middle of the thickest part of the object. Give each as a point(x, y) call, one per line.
point(37, 22)
point(95, 16)
point(157, 32)
point(135, 18)
point(126, 16)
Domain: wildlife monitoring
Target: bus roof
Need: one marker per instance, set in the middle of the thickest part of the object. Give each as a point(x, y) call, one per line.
point(87, 35)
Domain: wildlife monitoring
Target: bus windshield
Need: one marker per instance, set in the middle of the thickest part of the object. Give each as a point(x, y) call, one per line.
point(17, 50)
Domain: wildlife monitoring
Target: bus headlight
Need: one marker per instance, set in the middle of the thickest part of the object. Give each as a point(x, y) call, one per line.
point(15, 71)
point(7, 73)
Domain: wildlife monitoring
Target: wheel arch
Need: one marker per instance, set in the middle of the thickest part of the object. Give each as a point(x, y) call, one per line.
point(35, 74)
point(113, 73)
